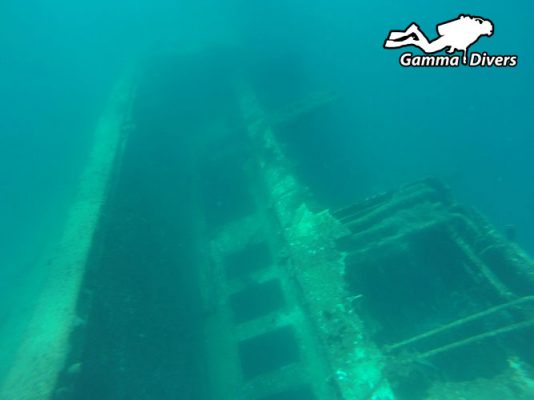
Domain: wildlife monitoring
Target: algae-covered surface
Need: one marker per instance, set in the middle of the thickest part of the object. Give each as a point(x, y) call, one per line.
point(44, 347)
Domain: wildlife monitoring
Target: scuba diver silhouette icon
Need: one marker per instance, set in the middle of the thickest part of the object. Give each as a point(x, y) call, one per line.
point(454, 35)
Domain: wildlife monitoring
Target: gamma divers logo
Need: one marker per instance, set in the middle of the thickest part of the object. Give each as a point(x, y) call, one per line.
point(455, 35)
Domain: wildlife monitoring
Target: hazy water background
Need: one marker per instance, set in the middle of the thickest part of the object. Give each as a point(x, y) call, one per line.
point(471, 127)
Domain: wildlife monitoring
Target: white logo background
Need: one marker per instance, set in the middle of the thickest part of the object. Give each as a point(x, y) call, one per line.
point(454, 35)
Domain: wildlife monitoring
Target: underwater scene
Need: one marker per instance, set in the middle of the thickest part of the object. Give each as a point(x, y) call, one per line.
point(266, 200)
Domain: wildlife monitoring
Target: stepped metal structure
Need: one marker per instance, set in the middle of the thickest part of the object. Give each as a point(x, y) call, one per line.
point(275, 282)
